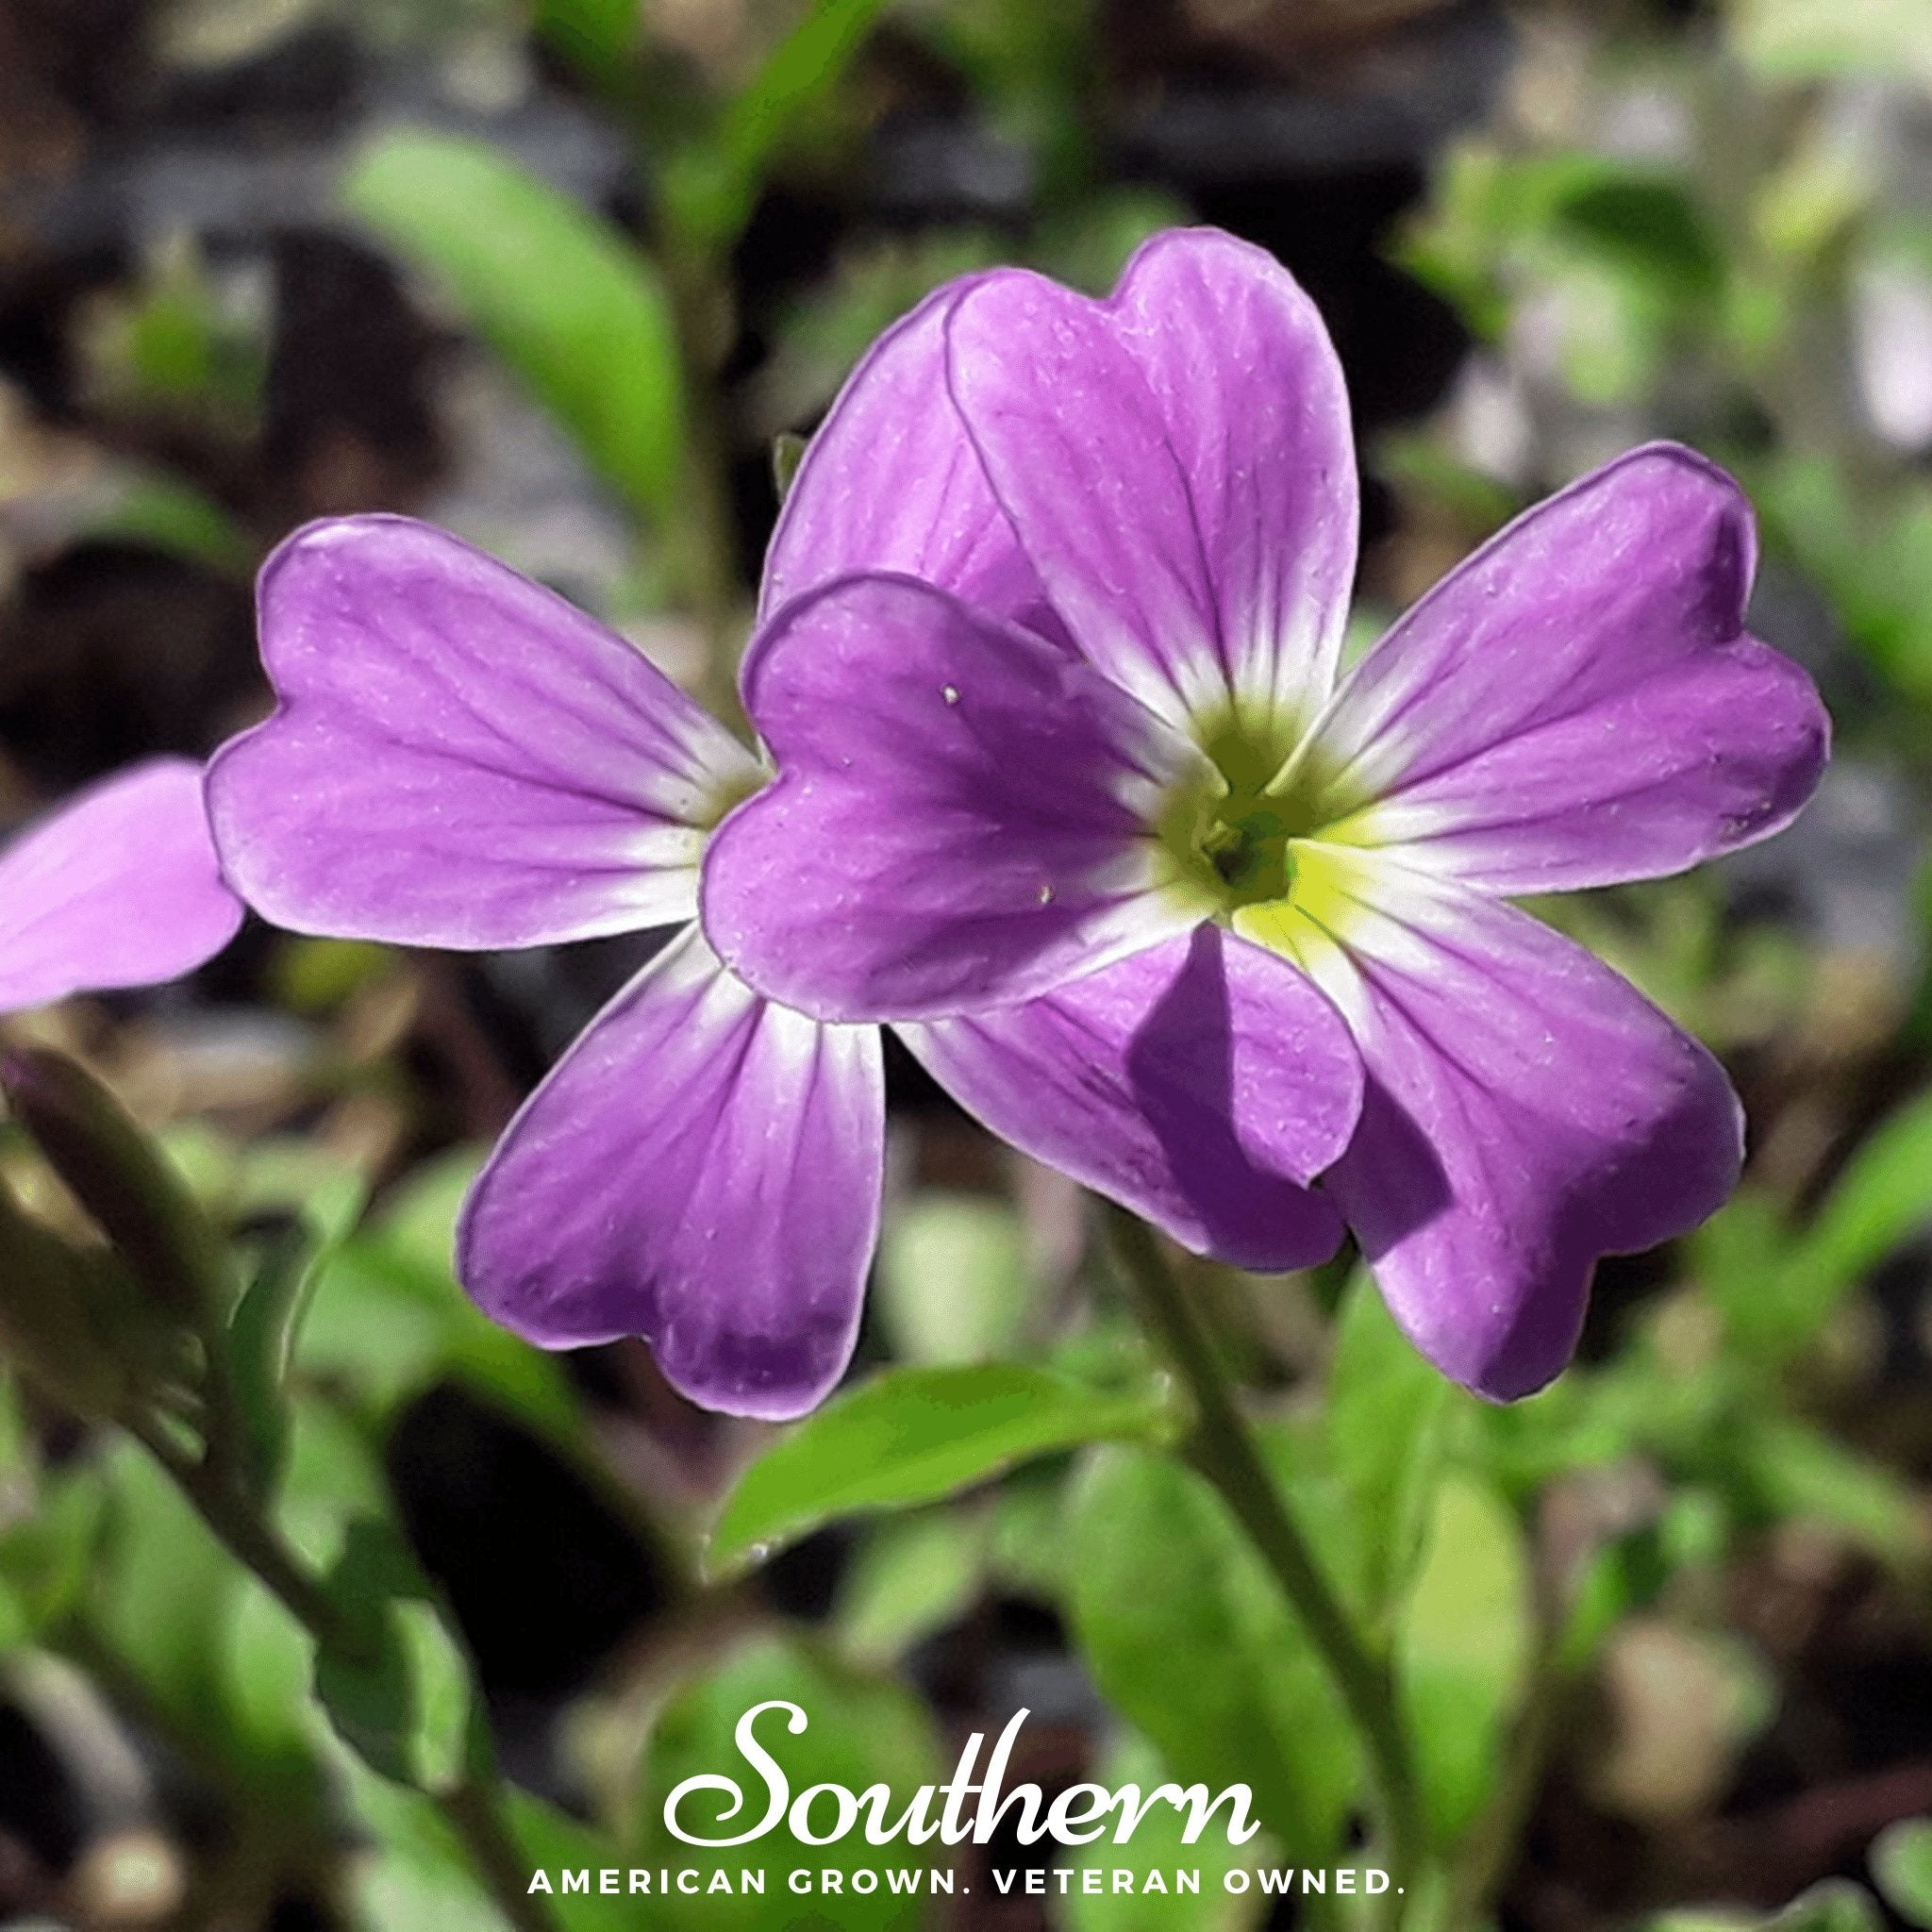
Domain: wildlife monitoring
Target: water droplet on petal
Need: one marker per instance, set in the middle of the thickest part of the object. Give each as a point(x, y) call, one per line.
point(1046, 896)
point(951, 693)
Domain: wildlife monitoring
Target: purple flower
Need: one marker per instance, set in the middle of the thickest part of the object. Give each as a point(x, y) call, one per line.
point(1094, 725)
point(117, 888)
point(459, 759)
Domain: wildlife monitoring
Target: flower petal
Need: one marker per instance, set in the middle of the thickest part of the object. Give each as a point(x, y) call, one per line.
point(958, 818)
point(891, 482)
point(459, 757)
point(1527, 1111)
point(701, 1169)
point(1178, 462)
point(1578, 704)
point(117, 888)
point(1201, 1082)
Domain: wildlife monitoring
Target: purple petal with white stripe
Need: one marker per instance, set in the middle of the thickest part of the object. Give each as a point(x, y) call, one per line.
point(702, 1169)
point(458, 757)
point(1580, 704)
point(1527, 1111)
point(1178, 462)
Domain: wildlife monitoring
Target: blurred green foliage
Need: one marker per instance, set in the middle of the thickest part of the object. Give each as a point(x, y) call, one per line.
point(1012, 1442)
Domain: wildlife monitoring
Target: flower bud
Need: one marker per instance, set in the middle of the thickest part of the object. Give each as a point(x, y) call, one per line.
point(119, 1176)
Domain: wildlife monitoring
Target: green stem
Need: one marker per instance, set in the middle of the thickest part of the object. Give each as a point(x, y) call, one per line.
point(474, 1813)
point(1221, 1449)
point(705, 539)
point(254, 1542)
point(473, 1808)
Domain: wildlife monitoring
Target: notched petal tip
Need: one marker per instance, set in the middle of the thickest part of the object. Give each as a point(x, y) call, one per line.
point(458, 757)
point(701, 1170)
point(1528, 1113)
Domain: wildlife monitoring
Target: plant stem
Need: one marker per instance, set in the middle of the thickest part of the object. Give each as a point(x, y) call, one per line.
point(1222, 1448)
point(473, 1811)
point(253, 1541)
point(472, 1808)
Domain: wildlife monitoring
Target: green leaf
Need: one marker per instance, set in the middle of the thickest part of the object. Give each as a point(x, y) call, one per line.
point(1883, 1198)
point(912, 1575)
point(561, 297)
point(1190, 1639)
point(1799, 1471)
point(1155, 1848)
point(261, 1343)
point(600, 37)
point(912, 1436)
point(552, 1841)
point(1901, 1859)
point(1386, 1406)
point(713, 188)
point(367, 1696)
point(953, 1284)
point(859, 1731)
point(416, 1875)
point(48, 1557)
point(388, 1318)
point(1835, 1906)
point(1649, 225)
point(394, 1682)
point(1463, 1649)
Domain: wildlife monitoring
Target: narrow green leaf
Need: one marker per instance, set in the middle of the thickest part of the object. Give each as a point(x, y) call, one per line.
point(268, 1318)
point(1463, 1649)
point(1883, 1197)
point(1190, 1639)
point(1386, 1405)
point(714, 188)
point(1902, 1863)
point(1799, 1471)
point(912, 1436)
point(560, 295)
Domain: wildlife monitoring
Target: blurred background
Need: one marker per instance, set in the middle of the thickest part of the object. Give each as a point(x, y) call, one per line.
point(560, 278)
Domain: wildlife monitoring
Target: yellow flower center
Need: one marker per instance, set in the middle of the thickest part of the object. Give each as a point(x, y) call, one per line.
point(1259, 841)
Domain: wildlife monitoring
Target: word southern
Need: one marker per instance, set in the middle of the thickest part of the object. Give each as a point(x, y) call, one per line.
point(822, 1814)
